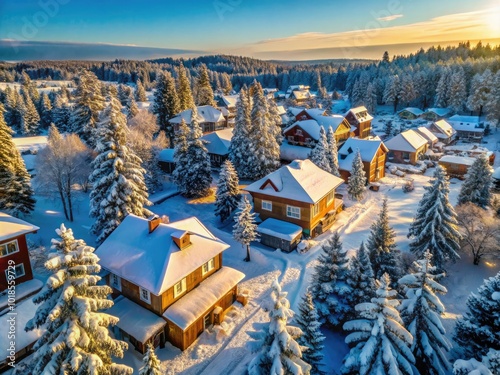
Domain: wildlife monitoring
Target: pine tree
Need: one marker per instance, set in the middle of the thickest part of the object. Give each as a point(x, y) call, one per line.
point(477, 185)
point(457, 91)
point(45, 112)
point(407, 90)
point(380, 342)
point(180, 156)
point(30, 120)
point(245, 229)
point(227, 87)
point(227, 196)
point(392, 91)
point(29, 87)
point(361, 279)
point(165, 103)
point(329, 284)
point(442, 89)
point(384, 256)
point(76, 339)
point(13, 113)
point(61, 115)
point(131, 107)
point(16, 194)
point(492, 105)
point(117, 177)
point(434, 227)
point(319, 154)
point(479, 91)
point(421, 310)
point(277, 349)
point(490, 365)
point(140, 93)
point(204, 92)
point(152, 365)
point(357, 180)
point(332, 153)
point(123, 93)
point(312, 338)
point(186, 100)
point(479, 329)
point(370, 99)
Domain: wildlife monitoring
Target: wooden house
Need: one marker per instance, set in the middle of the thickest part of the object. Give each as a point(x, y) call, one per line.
point(456, 166)
point(171, 276)
point(406, 147)
point(209, 118)
point(436, 114)
point(299, 93)
point(166, 160)
point(361, 120)
point(467, 128)
point(443, 131)
point(428, 135)
point(410, 113)
point(217, 144)
point(298, 193)
point(373, 153)
point(227, 105)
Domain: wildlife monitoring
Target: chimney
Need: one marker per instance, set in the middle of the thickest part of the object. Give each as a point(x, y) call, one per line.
point(182, 239)
point(153, 222)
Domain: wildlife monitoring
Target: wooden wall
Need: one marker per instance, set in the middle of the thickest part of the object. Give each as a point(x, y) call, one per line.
point(21, 256)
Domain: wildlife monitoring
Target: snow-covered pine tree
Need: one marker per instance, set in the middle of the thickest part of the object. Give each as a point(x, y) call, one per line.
point(88, 103)
point(239, 149)
point(13, 111)
point(370, 98)
point(131, 107)
point(165, 103)
point(442, 89)
point(76, 338)
point(360, 279)
point(392, 91)
point(186, 100)
point(319, 153)
point(61, 115)
point(421, 310)
point(275, 120)
point(479, 329)
point(457, 91)
point(332, 153)
point(492, 105)
point(407, 90)
point(16, 194)
point(29, 87)
point(245, 228)
point(117, 177)
point(227, 196)
point(479, 91)
point(381, 245)
point(434, 227)
point(180, 156)
point(278, 352)
point(30, 120)
point(476, 188)
point(329, 283)
point(151, 363)
point(357, 180)
point(45, 112)
point(198, 171)
point(204, 92)
point(380, 344)
point(227, 86)
point(140, 93)
point(123, 93)
point(490, 365)
point(308, 321)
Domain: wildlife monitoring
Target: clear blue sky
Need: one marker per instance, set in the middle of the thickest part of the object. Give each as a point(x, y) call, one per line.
point(212, 25)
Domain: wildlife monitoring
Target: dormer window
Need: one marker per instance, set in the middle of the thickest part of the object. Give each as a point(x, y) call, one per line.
point(182, 239)
point(144, 294)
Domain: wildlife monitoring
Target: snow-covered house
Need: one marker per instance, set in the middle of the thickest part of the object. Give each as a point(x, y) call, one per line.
point(170, 276)
point(217, 144)
point(299, 93)
point(209, 118)
point(406, 147)
point(428, 135)
point(166, 160)
point(227, 105)
point(443, 131)
point(456, 166)
point(298, 193)
point(373, 153)
point(360, 119)
point(467, 127)
point(435, 114)
point(410, 113)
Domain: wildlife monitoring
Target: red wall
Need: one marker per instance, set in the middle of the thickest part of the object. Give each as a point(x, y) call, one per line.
point(22, 256)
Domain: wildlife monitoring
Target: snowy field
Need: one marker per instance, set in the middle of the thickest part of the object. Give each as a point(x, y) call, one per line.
point(224, 352)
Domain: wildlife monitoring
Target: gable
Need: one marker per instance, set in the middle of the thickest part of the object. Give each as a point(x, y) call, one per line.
point(303, 115)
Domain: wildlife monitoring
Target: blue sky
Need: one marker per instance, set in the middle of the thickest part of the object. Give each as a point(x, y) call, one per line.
point(253, 27)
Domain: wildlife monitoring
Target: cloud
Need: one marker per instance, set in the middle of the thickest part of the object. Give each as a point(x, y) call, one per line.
point(390, 18)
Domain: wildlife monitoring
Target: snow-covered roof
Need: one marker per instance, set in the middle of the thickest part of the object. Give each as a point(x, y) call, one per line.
point(367, 147)
point(137, 321)
point(206, 113)
point(11, 227)
point(153, 260)
point(166, 155)
point(279, 229)
point(407, 141)
point(439, 111)
point(301, 94)
point(312, 127)
point(218, 142)
point(295, 110)
point(465, 123)
point(190, 307)
point(445, 128)
point(426, 133)
point(281, 110)
point(360, 113)
point(229, 100)
point(496, 174)
point(290, 152)
point(301, 181)
point(413, 110)
point(455, 159)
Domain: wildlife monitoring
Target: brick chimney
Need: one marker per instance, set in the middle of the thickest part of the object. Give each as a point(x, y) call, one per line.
point(153, 222)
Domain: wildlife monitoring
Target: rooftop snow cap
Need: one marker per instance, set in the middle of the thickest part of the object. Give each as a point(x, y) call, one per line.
point(182, 239)
point(153, 222)
point(296, 164)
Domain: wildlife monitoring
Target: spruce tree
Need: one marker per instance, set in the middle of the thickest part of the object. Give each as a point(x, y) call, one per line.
point(152, 365)
point(319, 154)
point(186, 100)
point(312, 338)
point(407, 91)
point(492, 105)
point(361, 279)
point(165, 103)
point(380, 344)
point(381, 245)
point(140, 93)
point(434, 227)
point(76, 338)
point(227, 196)
point(329, 284)
point(442, 89)
point(421, 310)
point(29, 87)
point(131, 107)
point(479, 91)
point(61, 115)
point(180, 156)
point(490, 365)
point(277, 349)
point(245, 228)
point(30, 120)
point(457, 91)
point(476, 188)
point(357, 180)
point(479, 329)
point(123, 93)
point(12, 111)
point(392, 91)
point(204, 92)
point(16, 194)
point(45, 111)
point(117, 177)
point(332, 152)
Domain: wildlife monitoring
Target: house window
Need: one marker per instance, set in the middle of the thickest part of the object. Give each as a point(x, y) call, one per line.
point(316, 209)
point(298, 132)
point(206, 321)
point(19, 270)
point(291, 138)
point(116, 282)
point(180, 288)
point(145, 296)
point(8, 248)
point(267, 205)
point(406, 155)
point(329, 198)
point(293, 212)
point(208, 266)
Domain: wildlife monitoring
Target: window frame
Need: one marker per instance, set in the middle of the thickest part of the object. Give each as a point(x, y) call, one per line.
point(182, 283)
point(15, 269)
point(16, 245)
point(118, 284)
point(316, 209)
point(266, 202)
point(330, 197)
point(210, 266)
point(290, 212)
point(148, 299)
